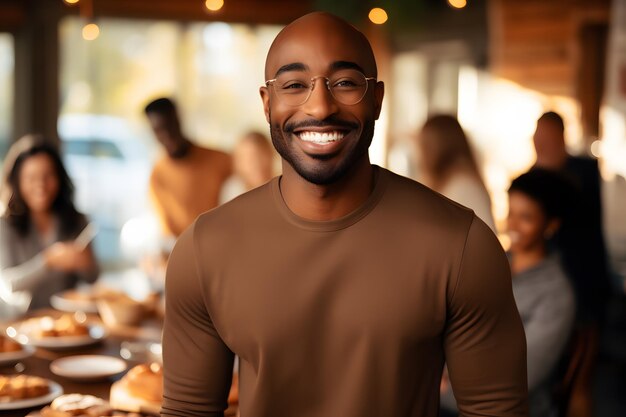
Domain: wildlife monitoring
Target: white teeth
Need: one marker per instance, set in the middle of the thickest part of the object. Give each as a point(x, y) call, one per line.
point(320, 137)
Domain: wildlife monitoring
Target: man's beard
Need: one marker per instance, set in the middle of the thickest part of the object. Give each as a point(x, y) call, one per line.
point(320, 174)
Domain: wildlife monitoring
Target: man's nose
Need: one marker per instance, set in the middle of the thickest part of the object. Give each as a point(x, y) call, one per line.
point(321, 102)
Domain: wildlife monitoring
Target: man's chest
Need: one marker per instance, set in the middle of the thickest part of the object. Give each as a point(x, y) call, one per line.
point(327, 292)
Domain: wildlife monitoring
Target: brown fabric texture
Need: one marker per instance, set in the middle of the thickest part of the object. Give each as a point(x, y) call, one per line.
point(352, 317)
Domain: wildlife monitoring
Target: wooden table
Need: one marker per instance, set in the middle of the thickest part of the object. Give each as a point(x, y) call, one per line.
point(39, 363)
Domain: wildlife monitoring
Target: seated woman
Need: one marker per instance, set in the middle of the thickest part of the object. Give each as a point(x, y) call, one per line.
point(538, 201)
point(38, 255)
point(544, 296)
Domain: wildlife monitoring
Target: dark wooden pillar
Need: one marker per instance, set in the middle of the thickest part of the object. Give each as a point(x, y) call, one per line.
point(37, 70)
point(591, 75)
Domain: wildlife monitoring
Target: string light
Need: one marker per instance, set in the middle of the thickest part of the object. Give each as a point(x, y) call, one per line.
point(378, 15)
point(214, 5)
point(457, 4)
point(91, 31)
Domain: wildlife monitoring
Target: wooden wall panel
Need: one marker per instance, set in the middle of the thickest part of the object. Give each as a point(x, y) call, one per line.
point(533, 43)
point(555, 47)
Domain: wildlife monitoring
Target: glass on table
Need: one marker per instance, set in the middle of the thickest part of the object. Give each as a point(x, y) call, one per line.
point(140, 351)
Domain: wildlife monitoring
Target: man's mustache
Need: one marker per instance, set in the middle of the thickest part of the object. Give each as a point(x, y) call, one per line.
point(329, 122)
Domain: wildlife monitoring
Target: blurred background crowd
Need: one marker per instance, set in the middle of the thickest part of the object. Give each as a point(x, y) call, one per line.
point(121, 121)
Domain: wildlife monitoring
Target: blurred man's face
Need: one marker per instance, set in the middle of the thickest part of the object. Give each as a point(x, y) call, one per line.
point(549, 145)
point(322, 139)
point(167, 131)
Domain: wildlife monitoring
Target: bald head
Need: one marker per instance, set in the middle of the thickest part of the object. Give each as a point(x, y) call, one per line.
point(318, 33)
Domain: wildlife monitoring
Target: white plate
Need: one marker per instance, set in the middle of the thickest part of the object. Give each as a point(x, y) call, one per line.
point(62, 302)
point(88, 367)
point(55, 391)
point(10, 357)
point(26, 334)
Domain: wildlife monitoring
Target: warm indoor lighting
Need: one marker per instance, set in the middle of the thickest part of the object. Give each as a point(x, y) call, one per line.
point(91, 31)
point(214, 5)
point(596, 148)
point(457, 4)
point(378, 15)
point(71, 1)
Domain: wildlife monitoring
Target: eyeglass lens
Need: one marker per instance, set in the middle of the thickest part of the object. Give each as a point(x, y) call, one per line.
point(346, 86)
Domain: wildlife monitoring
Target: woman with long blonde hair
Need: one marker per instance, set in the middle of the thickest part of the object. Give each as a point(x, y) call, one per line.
point(449, 167)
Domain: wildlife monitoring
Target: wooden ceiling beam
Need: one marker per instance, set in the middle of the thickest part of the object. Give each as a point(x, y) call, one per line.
point(12, 15)
point(240, 11)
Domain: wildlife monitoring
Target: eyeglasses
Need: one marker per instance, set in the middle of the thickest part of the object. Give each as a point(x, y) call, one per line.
point(346, 86)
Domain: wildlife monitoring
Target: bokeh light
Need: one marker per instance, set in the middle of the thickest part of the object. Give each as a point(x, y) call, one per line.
point(71, 1)
point(378, 15)
point(91, 31)
point(214, 5)
point(457, 4)
point(596, 148)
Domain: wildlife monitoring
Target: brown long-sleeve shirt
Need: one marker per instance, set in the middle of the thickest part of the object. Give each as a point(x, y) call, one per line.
point(352, 317)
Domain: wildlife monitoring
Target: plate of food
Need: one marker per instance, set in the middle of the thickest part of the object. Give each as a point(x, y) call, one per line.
point(88, 367)
point(80, 405)
point(67, 331)
point(75, 300)
point(11, 351)
point(25, 391)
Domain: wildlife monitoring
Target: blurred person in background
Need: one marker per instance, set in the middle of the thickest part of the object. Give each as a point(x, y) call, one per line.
point(580, 239)
point(38, 254)
point(253, 165)
point(449, 166)
point(538, 203)
point(187, 180)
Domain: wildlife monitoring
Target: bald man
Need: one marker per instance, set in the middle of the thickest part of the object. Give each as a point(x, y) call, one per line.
point(580, 239)
point(341, 286)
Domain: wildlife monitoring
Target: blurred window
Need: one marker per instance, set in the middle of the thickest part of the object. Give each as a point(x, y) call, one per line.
point(213, 71)
point(106, 150)
point(7, 69)
point(92, 148)
point(77, 148)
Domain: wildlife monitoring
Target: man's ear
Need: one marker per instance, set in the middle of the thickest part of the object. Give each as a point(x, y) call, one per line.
point(379, 93)
point(265, 97)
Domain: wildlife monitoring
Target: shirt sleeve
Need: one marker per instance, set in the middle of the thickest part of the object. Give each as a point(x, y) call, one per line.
point(197, 365)
point(484, 341)
point(14, 276)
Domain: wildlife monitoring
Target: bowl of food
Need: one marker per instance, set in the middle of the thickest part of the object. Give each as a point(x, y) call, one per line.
point(118, 309)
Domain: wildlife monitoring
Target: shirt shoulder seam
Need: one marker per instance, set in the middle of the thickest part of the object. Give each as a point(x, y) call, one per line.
point(458, 276)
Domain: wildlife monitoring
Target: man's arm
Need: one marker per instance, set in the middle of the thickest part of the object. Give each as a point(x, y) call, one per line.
point(484, 341)
point(197, 365)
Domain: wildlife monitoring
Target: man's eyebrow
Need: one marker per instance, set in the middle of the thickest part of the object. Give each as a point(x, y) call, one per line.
point(295, 66)
point(339, 65)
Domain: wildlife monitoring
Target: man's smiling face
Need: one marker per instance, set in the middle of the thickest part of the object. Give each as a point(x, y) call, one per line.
point(322, 139)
